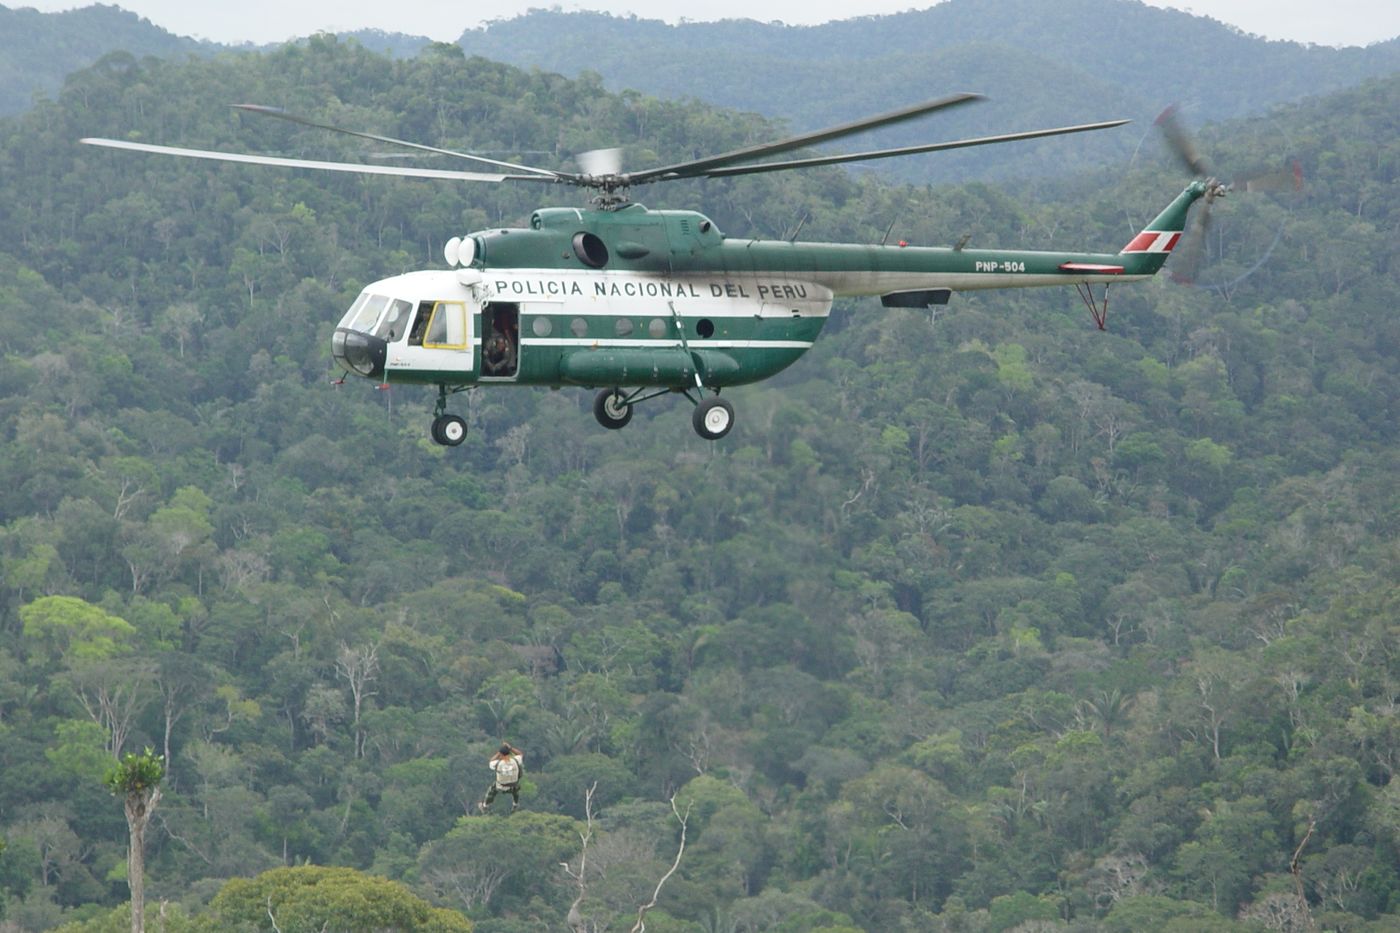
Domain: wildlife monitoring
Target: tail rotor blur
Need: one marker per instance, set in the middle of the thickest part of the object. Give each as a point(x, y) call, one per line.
point(1190, 258)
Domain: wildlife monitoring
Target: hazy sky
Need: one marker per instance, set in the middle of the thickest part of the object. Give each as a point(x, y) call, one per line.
point(1325, 22)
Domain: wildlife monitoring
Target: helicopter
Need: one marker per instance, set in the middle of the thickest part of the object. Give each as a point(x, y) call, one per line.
point(637, 303)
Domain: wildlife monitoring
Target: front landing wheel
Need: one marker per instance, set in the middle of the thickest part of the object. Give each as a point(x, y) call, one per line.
point(611, 409)
point(713, 418)
point(449, 430)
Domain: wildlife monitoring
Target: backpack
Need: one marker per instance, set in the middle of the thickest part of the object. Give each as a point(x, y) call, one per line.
point(507, 771)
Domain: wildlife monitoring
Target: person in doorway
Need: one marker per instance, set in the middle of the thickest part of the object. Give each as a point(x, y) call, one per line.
point(507, 765)
point(499, 351)
point(496, 355)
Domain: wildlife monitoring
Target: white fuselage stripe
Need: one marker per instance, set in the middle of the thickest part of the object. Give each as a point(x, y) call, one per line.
point(664, 344)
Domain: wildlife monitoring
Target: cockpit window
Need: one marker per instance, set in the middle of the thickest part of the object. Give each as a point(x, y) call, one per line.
point(395, 321)
point(365, 312)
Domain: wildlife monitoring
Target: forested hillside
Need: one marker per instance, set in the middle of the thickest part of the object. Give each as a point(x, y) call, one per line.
point(1042, 63)
point(977, 621)
point(38, 50)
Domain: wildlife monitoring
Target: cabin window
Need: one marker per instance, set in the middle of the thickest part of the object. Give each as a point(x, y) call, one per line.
point(623, 326)
point(446, 329)
point(657, 328)
point(579, 327)
point(542, 326)
point(420, 324)
point(705, 327)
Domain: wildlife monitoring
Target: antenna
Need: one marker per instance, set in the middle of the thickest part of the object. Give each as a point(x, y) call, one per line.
point(800, 224)
point(886, 238)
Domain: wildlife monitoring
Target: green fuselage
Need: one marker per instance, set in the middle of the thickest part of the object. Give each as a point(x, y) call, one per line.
point(634, 297)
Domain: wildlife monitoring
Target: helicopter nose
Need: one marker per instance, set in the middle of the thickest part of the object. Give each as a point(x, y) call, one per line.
point(359, 353)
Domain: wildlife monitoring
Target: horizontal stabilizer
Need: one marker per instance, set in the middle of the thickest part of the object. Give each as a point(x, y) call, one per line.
point(1093, 267)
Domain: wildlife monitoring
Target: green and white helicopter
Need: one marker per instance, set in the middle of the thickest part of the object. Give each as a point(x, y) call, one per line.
point(638, 303)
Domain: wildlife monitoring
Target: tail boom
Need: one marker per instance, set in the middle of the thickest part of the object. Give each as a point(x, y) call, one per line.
point(1148, 251)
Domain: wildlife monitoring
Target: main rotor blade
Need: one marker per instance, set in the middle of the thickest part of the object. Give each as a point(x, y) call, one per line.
point(353, 167)
point(600, 161)
point(281, 114)
point(698, 167)
point(907, 150)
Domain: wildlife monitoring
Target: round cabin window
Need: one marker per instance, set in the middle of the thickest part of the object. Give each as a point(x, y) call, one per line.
point(579, 327)
point(542, 326)
point(623, 326)
point(705, 327)
point(657, 328)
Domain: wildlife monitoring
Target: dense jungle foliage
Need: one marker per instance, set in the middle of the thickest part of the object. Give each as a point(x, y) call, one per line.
point(977, 621)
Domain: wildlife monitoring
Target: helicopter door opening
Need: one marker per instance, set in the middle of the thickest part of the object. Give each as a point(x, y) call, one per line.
point(500, 343)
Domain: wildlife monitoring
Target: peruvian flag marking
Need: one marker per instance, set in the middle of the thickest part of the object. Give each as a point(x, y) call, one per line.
point(1153, 241)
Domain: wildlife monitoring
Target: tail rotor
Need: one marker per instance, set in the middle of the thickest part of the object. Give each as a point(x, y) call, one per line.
point(1183, 144)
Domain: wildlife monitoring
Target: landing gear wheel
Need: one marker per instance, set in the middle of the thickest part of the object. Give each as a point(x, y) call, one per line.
point(449, 430)
point(611, 409)
point(713, 418)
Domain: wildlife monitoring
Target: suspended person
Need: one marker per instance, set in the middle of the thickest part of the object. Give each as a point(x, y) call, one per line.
point(508, 764)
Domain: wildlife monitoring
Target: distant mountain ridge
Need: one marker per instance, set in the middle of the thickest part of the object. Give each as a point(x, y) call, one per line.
point(1124, 43)
point(1042, 63)
point(38, 50)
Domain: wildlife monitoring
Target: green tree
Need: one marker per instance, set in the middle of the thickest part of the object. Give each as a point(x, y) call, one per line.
point(459, 869)
point(67, 626)
point(309, 898)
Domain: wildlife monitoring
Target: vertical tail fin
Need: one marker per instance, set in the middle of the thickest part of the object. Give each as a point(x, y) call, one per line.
point(1146, 252)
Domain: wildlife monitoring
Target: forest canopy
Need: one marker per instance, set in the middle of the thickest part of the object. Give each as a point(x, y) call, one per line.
point(977, 619)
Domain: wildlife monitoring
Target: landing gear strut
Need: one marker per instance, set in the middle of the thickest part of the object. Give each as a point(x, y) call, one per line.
point(612, 409)
point(447, 430)
point(712, 417)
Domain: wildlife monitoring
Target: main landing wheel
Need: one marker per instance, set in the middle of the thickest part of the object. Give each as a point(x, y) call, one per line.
point(713, 418)
point(449, 430)
point(611, 409)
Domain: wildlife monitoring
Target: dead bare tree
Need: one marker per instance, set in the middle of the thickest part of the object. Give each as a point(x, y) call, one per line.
point(575, 919)
point(359, 666)
point(1296, 870)
point(575, 916)
point(113, 693)
point(641, 925)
